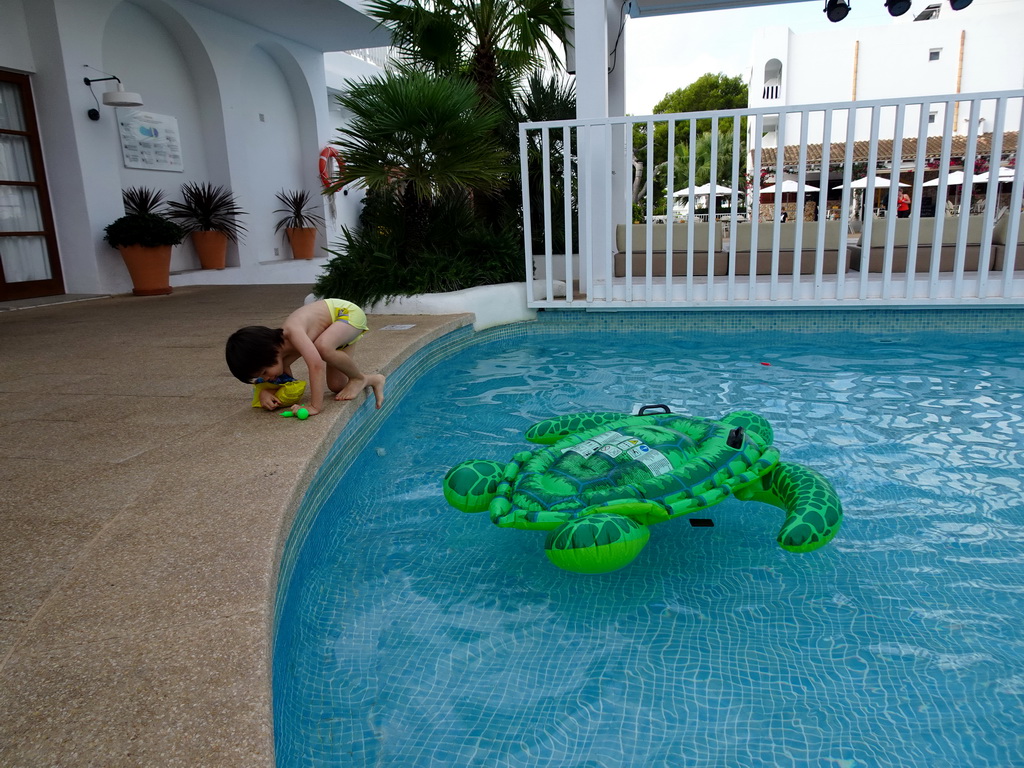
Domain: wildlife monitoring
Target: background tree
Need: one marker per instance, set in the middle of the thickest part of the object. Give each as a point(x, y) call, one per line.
point(703, 163)
point(709, 92)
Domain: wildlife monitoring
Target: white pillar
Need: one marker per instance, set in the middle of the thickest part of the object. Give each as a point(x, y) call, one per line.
point(596, 28)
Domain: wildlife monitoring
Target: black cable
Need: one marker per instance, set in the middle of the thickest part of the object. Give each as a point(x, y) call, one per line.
point(615, 49)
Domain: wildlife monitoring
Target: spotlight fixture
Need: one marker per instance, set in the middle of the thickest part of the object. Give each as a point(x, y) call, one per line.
point(836, 10)
point(959, 5)
point(117, 98)
point(898, 7)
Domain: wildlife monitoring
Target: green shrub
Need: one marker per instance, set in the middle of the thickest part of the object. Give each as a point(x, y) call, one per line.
point(145, 229)
point(458, 252)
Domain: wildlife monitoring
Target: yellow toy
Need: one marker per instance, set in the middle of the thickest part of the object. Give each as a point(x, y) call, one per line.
point(288, 393)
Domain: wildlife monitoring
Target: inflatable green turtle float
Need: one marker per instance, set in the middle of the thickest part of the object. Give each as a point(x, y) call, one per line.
point(602, 478)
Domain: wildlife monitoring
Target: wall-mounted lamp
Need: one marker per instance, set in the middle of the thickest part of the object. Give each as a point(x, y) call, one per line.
point(836, 10)
point(897, 7)
point(118, 98)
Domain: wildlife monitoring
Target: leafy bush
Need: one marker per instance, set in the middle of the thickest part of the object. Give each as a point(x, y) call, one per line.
point(458, 252)
point(145, 229)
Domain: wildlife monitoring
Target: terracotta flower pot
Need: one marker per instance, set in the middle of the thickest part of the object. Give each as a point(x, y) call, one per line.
point(302, 240)
point(212, 248)
point(149, 267)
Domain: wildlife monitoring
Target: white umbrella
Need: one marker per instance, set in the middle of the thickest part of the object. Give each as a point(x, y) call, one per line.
point(955, 179)
point(881, 182)
point(703, 189)
point(1005, 175)
point(788, 185)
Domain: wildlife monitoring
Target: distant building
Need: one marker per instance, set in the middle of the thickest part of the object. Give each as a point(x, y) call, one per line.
point(930, 51)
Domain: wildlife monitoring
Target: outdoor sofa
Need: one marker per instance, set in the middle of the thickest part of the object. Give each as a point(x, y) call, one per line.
point(925, 238)
point(742, 233)
point(702, 232)
point(999, 243)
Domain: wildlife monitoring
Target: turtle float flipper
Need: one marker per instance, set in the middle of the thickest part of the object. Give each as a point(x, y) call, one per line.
point(470, 486)
point(813, 510)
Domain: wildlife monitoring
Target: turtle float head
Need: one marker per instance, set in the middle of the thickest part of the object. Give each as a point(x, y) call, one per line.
point(754, 424)
point(471, 485)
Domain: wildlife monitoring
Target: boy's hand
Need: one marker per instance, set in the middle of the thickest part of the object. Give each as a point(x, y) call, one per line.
point(268, 400)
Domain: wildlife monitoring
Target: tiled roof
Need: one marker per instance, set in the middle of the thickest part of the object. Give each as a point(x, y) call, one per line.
point(861, 149)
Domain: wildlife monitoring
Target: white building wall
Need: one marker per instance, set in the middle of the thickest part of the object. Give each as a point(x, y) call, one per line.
point(141, 50)
point(342, 208)
point(15, 51)
point(843, 62)
point(216, 75)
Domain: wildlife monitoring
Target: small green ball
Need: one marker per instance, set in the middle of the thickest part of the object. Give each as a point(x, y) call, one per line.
point(302, 414)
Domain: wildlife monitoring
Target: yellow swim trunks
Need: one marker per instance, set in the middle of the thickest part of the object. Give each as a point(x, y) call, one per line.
point(347, 312)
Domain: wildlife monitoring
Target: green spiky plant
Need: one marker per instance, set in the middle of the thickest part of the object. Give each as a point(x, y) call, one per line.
point(207, 208)
point(298, 209)
point(143, 200)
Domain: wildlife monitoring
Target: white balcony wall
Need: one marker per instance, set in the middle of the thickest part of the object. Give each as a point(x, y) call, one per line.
point(959, 52)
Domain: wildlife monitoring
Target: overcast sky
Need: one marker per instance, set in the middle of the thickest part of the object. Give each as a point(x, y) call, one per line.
point(670, 52)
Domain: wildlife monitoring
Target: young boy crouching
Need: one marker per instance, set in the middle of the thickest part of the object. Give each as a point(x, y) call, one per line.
point(321, 334)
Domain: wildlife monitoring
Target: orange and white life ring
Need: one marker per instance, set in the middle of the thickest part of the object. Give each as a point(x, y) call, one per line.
point(329, 175)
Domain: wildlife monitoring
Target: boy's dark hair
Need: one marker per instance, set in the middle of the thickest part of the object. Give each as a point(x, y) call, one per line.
point(251, 349)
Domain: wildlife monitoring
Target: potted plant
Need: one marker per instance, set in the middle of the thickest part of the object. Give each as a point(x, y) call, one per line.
point(299, 222)
point(210, 215)
point(144, 238)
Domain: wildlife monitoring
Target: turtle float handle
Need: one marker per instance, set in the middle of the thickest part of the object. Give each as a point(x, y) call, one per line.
point(651, 409)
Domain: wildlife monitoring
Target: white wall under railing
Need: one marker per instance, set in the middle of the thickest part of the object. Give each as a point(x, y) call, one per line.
point(843, 257)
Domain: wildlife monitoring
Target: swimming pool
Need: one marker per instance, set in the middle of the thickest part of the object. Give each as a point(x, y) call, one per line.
point(414, 635)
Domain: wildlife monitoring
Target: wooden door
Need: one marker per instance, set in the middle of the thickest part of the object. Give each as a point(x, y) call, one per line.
point(29, 263)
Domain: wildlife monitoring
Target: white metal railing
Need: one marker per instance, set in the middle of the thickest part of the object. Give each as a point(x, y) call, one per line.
point(578, 197)
point(379, 56)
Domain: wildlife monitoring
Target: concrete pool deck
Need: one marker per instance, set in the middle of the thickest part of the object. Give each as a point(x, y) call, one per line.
point(145, 504)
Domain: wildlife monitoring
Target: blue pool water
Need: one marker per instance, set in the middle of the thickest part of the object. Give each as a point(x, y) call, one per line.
point(411, 634)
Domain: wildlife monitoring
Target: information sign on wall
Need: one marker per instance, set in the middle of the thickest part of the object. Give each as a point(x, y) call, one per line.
point(149, 141)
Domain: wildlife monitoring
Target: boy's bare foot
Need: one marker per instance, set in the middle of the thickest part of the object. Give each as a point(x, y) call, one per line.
point(375, 381)
point(352, 389)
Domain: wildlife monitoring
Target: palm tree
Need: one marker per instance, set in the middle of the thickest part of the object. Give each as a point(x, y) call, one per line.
point(417, 136)
point(551, 98)
point(703, 161)
point(494, 43)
